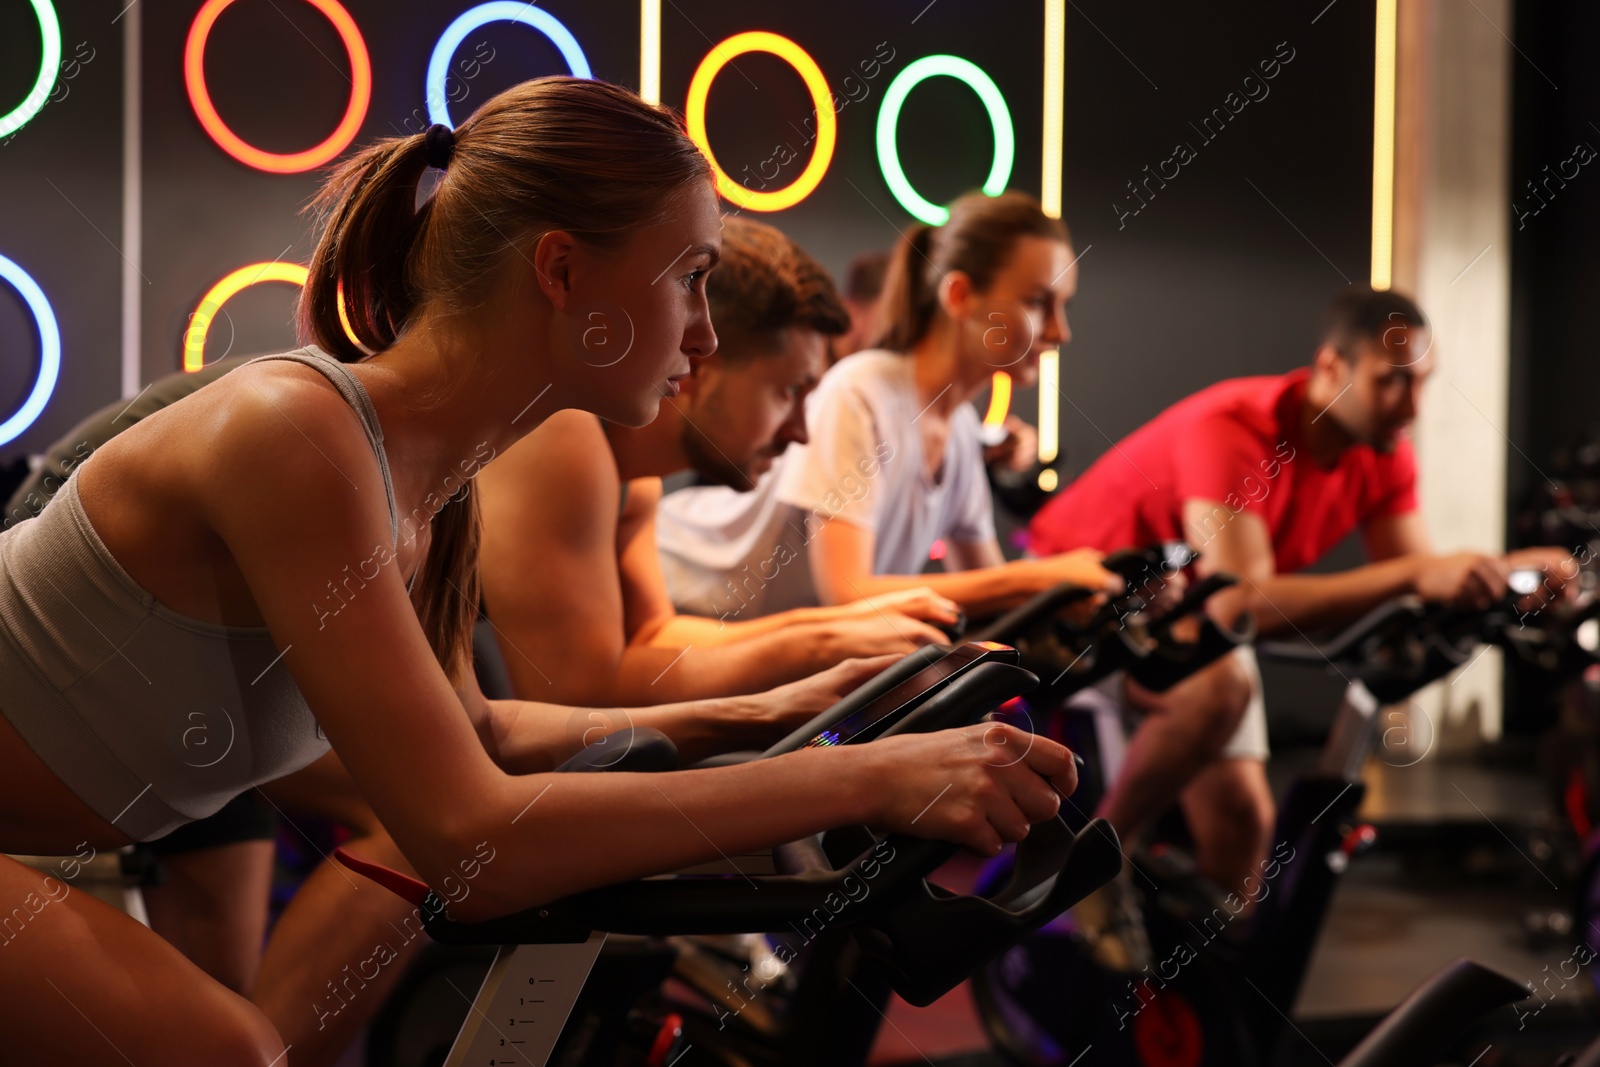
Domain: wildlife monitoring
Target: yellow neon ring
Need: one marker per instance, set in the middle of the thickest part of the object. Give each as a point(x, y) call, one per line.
point(194, 338)
point(816, 85)
point(999, 399)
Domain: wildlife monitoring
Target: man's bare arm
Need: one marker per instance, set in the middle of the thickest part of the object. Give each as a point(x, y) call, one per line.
point(1285, 604)
point(716, 657)
point(918, 602)
point(1397, 535)
point(550, 573)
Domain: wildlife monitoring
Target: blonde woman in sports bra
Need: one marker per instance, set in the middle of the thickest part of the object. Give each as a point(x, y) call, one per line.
point(285, 561)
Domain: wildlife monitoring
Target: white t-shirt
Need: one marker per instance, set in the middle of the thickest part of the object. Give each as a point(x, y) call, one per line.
point(740, 555)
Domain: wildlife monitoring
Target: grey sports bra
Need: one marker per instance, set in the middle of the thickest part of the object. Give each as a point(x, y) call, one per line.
point(152, 718)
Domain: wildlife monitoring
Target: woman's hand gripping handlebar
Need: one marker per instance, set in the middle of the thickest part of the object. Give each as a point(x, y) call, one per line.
point(980, 786)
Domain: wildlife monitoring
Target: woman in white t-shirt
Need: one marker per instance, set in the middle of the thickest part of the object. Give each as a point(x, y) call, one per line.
point(988, 291)
point(894, 462)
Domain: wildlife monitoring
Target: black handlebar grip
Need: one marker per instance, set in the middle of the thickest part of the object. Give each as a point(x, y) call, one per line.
point(1428, 1021)
point(932, 941)
point(1170, 662)
point(1019, 620)
point(633, 748)
point(968, 699)
point(954, 631)
point(1193, 600)
point(860, 697)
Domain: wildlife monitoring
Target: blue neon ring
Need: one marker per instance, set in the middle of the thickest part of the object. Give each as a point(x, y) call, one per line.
point(49, 350)
point(498, 11)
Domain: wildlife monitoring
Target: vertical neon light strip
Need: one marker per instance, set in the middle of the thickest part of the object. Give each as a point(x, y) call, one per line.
point(1383, 147)
point(650, 50)
point(1055, 92)
point(132, 206)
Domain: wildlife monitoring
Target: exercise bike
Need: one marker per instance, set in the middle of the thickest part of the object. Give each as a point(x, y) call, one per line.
point(1224, 982)
point(1109, 635)
point(907, 934)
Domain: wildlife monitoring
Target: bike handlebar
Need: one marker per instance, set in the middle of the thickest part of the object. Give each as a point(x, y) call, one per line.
point(929, 938)
point(1428, 1021)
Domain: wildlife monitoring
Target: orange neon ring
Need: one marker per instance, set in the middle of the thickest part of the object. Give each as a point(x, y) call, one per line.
point(194, 77)
point(816, 85)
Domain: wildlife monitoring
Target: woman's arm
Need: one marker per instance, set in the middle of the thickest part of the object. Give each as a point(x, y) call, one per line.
point(841, 565)
point(294, 515)
point(526, 737)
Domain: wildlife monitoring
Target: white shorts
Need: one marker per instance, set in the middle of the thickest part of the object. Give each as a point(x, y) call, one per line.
point(1116, 717)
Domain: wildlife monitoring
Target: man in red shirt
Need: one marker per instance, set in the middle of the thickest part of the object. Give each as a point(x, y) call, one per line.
point(1265, 475)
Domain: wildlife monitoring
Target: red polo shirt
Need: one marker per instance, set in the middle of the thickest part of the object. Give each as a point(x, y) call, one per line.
point(1238, 443)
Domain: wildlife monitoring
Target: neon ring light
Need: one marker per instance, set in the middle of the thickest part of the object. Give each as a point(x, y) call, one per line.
point(894, 99)
point(49, 349)
point(999, 399)
point(821, 97)
point(194, 338)
point(500, 11)
point(194, 77)
point(49, 67)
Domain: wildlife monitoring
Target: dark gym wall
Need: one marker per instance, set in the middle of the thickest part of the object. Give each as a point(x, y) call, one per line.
point(758, 104)
point(1225, 269)
point(1223, 272)
point(61, 214)
point(1555, 230)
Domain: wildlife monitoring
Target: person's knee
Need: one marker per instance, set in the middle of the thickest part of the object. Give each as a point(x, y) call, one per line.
point(1244, 801)
point(1231, 685)
point(1215, 699)
point(234, 1032)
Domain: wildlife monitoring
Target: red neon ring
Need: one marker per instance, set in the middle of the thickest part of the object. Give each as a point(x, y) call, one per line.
point(194, 77)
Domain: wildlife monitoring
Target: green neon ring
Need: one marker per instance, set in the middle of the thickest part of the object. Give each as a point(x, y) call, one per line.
point(894, 99)
point(49, 67)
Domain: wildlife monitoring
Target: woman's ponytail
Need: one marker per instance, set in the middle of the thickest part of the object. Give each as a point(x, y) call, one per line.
point(360, 283)
point(448, 589)
point(359, 273)
point(976, 239)
point(908, 300)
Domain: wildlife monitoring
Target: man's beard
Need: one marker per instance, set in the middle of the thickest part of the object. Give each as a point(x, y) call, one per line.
point(1385, 441)
point(712, 465)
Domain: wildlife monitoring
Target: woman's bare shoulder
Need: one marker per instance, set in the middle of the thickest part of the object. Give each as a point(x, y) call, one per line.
point(276, 434)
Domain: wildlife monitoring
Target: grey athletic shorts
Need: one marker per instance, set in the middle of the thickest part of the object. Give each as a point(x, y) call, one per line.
point(1249, 740)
